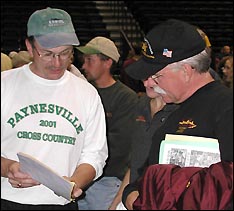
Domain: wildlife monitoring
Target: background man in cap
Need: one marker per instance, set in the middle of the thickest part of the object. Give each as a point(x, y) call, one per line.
point(176, 62)
point(100, 58)
point(52, 115)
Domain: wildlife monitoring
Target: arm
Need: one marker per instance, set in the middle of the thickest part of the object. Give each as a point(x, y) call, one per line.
point(83, 175)
point(118, 197)
point(94, 153)
point(130, 194)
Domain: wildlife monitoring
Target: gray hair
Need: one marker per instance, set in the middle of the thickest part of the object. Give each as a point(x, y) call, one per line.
point(200, 62)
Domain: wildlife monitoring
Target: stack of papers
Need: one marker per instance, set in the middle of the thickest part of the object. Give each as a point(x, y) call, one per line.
point(185, 150)
point(46, 176)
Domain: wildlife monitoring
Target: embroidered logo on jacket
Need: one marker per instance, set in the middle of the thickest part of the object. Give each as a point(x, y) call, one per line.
point(185, 124)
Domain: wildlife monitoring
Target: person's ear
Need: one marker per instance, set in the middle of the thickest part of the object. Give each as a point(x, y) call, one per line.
point(29, 47)
point(109, 62)
point(188, 72)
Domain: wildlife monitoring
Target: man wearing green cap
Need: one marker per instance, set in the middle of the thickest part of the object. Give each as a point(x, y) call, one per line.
point(52, 115)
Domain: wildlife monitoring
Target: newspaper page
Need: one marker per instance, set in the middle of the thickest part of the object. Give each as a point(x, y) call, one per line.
point(184, 150)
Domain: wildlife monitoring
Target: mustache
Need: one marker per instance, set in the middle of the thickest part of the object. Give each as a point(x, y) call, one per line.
point(159, 90)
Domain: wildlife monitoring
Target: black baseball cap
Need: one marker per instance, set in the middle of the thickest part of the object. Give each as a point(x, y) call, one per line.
point(168, 42)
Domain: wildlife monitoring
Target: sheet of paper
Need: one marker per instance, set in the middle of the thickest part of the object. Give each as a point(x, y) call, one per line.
point(45, 175)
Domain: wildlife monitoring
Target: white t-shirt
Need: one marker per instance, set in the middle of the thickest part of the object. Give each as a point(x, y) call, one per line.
point(59, 122)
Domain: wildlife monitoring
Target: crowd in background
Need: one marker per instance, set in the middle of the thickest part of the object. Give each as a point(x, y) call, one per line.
point(16, 59)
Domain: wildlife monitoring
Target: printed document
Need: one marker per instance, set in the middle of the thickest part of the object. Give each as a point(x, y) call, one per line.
point(185, 150)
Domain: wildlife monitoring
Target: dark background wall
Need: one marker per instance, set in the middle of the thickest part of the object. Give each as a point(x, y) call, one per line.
point(214, 17)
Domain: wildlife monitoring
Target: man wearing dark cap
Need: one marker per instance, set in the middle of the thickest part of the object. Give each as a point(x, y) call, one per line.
point(52, 115)
point(176, 62)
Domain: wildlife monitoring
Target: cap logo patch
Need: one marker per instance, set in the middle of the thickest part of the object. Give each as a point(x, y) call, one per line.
point(147, 50)
point(55, 22)
point(167, 53)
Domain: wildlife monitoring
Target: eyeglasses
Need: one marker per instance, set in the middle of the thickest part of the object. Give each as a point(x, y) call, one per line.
point(155, 77)
point(48, 56)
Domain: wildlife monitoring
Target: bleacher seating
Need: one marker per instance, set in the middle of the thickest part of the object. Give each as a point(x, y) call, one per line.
point(14, 16)
point(214, 17)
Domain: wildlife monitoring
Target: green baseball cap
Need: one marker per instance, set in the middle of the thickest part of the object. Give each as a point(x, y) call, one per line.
point(52, 27)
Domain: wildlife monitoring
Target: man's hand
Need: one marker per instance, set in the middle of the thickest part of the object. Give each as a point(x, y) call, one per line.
point(76, 192)
point(18, 179)
point(130, 199)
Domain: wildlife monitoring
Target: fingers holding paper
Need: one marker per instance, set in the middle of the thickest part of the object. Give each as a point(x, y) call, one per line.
point(76, 192)
point(17, 178)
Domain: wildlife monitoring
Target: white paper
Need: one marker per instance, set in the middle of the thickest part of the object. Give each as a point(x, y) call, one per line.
point(46, 176)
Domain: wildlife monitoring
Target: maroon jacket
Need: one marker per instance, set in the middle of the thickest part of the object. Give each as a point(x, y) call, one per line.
point(171, 187)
